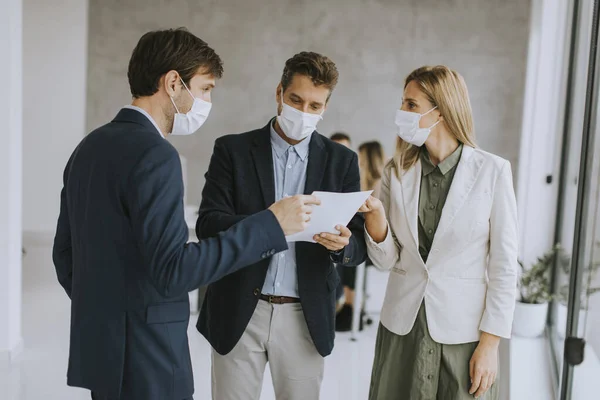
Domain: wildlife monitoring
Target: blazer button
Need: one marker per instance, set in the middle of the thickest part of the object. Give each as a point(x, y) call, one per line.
point(257, 292)
point(346, 260)
point(263, 255)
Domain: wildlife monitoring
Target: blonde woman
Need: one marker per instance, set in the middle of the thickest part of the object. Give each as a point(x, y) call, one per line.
point(450, 241)
point(371, 160)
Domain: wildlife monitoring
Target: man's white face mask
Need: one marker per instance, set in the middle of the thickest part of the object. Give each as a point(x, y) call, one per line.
point(297, 125)
point(186, 124)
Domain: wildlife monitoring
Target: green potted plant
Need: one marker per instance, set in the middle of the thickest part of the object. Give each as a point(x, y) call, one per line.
point(589, 275)
point(535, 292)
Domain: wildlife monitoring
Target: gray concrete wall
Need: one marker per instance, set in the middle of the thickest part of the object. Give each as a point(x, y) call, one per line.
point(375, 44)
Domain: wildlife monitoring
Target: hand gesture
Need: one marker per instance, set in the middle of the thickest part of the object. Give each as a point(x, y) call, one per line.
point(333, 242)
point(372, 204)
point(293, 213)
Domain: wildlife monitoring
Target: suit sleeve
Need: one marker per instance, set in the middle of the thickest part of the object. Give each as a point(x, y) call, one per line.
point(356, 251)
point(62, 253)
point(217, 211)
point(503, 258)
point(155, 201)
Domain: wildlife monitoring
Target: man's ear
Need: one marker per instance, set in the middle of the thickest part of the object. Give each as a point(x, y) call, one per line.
point(170, 82)
point(278, 94)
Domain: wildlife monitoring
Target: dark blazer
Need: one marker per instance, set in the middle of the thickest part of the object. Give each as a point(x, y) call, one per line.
point(121, 254)
point(240, 182)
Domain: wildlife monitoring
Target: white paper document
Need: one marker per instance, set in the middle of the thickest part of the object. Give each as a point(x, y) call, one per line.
point(335, 209)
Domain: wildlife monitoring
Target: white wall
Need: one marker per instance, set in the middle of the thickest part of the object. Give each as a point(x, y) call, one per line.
point(54, 87)
point(10, 180)
point(374, 44)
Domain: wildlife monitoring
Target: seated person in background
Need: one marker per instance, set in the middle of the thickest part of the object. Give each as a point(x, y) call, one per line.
point(343, 139)
point(371, 160)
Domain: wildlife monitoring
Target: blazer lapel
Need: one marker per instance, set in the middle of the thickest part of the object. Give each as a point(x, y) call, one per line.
point(467, 170)
point(411, 188)
point(317, 160)
point(263, 162)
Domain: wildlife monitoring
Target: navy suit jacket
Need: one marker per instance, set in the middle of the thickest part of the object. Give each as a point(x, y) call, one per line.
point(240, 182)
point(121, 254)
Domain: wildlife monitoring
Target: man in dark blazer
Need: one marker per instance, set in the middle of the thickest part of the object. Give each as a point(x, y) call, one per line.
point(121, 249)
point(282, 308)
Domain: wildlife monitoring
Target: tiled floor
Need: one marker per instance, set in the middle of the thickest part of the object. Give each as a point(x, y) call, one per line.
point(40, 373)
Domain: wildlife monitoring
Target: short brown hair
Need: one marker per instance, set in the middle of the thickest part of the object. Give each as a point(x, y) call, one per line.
point(159, 52)
point(339, 136)
point(320, 69)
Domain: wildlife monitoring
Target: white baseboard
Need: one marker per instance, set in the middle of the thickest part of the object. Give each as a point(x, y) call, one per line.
point(37, 238)
point(10, 356)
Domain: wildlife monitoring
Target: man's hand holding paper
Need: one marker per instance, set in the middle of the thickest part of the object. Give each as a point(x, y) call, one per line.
point(334, 242)
point(330, 218)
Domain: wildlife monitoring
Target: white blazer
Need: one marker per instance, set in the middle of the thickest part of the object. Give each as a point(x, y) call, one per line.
point(469, 282)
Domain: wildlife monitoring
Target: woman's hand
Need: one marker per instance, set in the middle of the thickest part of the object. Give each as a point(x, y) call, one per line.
point(375, 221)
point(483, 367)
point(372, 205)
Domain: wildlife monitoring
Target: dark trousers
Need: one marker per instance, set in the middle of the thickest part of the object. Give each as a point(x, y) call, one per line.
point(348, 278)
point(98, 397)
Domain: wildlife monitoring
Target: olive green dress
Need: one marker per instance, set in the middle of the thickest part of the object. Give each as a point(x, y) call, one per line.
point(414, 366)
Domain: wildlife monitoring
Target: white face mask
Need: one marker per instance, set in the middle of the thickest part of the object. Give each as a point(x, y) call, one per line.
point(186, 124)
point(408, 127)
point(297, 125)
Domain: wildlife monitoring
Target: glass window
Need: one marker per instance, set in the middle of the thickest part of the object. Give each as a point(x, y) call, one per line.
point(579, 381)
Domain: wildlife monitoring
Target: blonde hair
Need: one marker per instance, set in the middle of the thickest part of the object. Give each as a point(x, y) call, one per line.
point(447, 90)
point(375, 160)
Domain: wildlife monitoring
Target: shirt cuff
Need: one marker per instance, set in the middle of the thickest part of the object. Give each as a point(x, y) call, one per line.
point(384, 246)
point(337, 256)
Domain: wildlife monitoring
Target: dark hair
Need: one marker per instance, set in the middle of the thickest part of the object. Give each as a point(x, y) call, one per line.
point(339, 136)
point(320, 69)
point(159, 52)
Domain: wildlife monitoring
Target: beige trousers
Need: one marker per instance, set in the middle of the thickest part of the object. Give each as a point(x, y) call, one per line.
point(277, 334)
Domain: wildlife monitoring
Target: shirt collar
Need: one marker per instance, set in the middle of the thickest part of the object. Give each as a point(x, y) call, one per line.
point(281, 146)
point(145, 113)
point(445, 166)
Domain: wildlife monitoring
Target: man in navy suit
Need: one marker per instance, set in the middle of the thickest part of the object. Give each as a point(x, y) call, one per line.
point(121, 249)
point(283, 307)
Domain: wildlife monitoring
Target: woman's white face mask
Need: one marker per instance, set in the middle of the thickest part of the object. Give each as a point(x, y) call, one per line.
point(408, 127)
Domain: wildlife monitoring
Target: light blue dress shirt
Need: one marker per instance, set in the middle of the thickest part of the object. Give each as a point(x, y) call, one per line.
point(289, 167)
